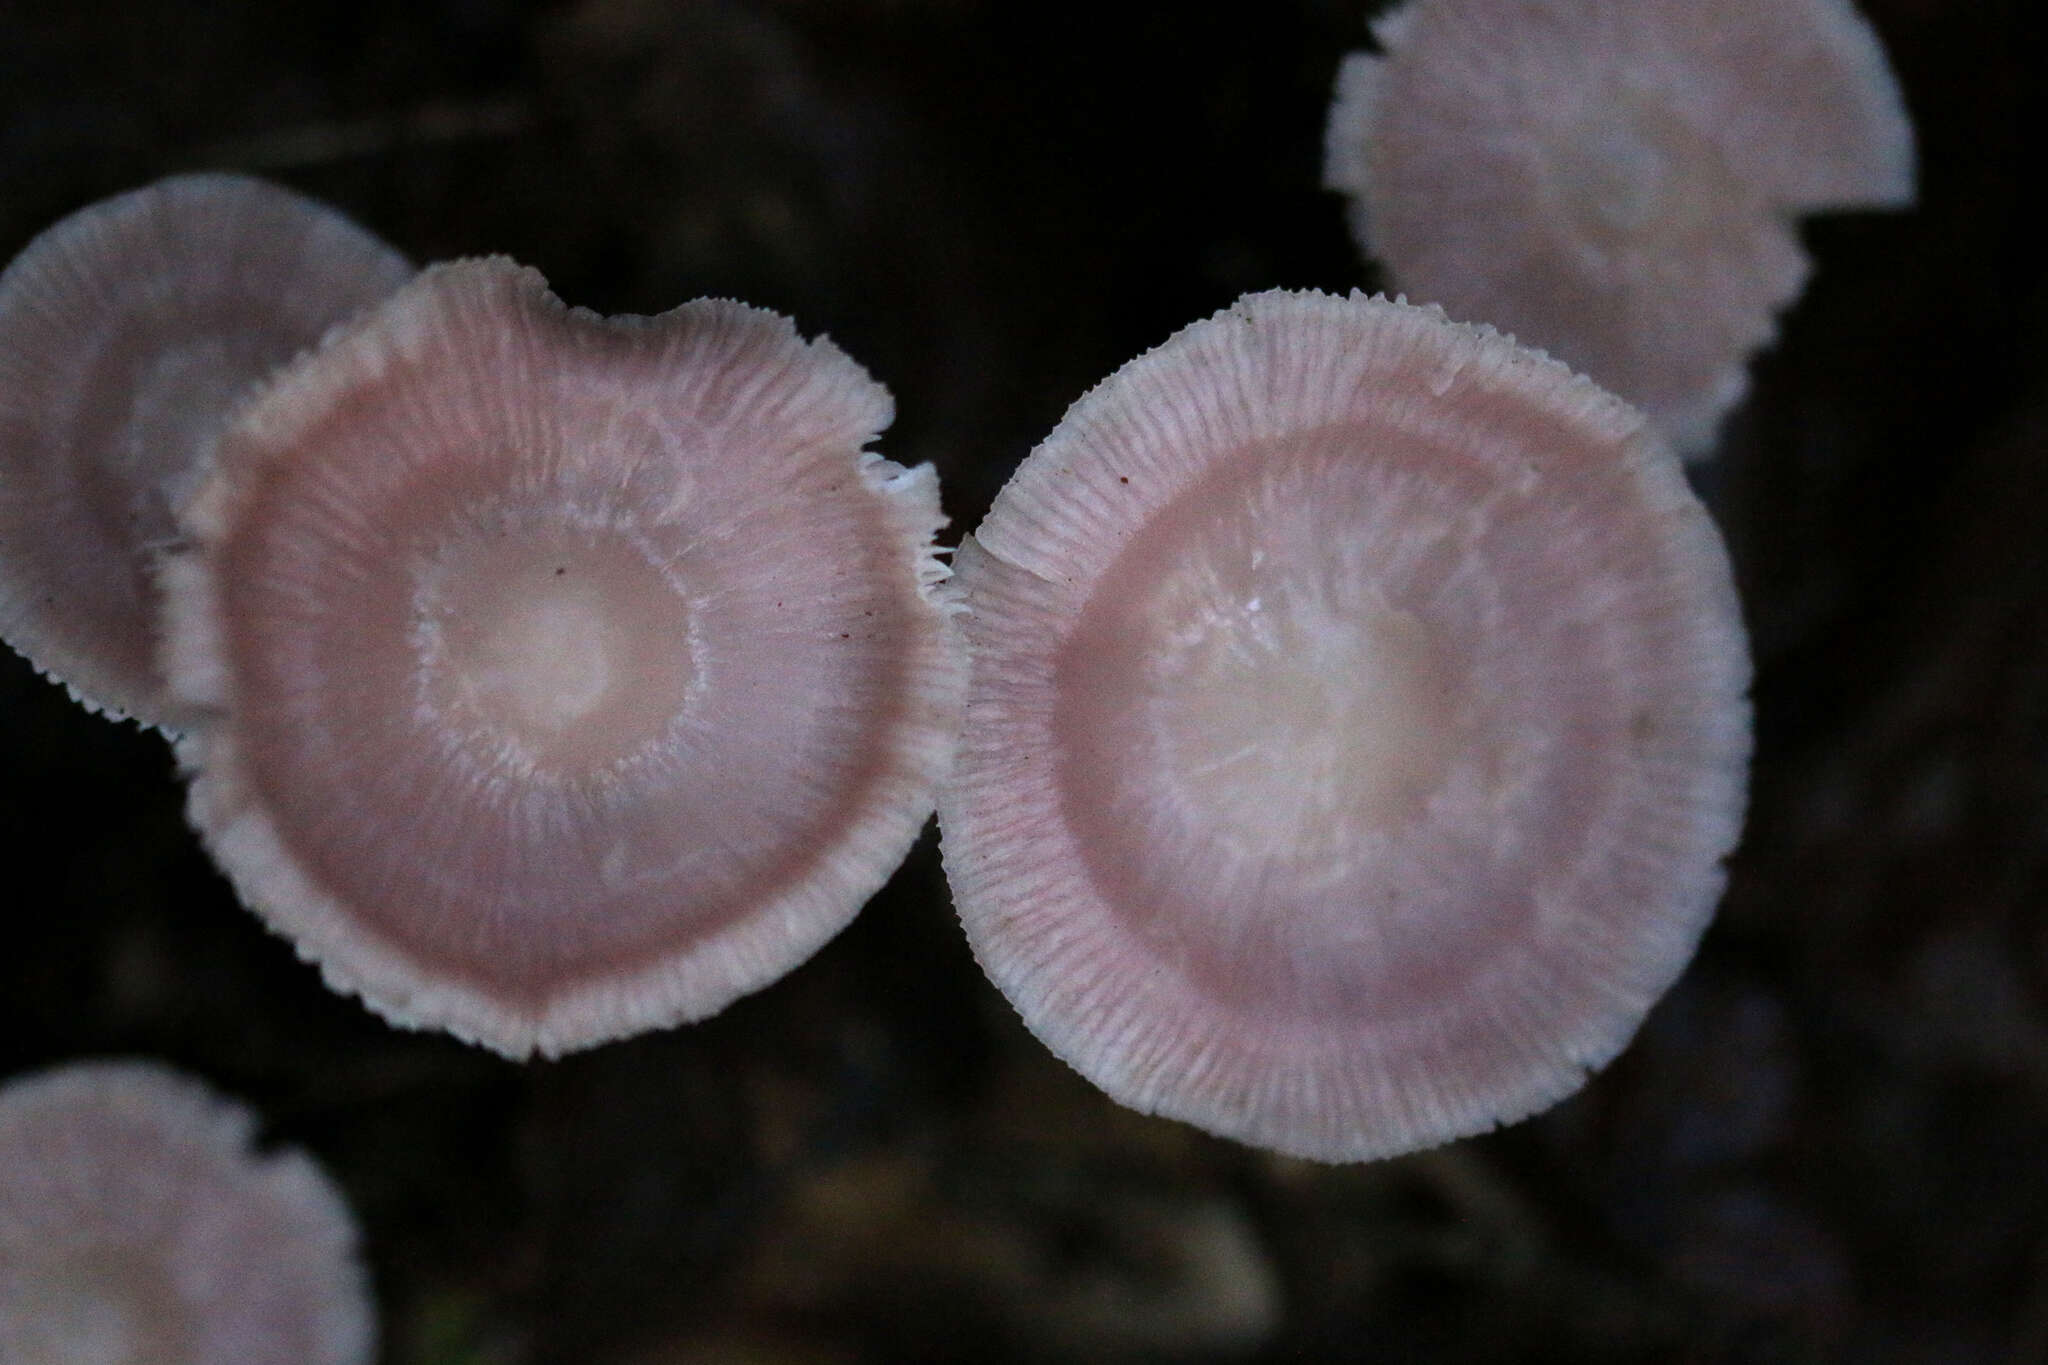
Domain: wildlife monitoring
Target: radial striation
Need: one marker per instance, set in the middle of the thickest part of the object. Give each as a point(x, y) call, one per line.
point(561, 677)
point(1356, 729)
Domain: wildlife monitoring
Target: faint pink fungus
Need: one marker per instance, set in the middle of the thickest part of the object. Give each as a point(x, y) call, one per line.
point(139, 1227)
point(1616, 180)
point(127, 331)
point(560, 677)
point(1356, 727)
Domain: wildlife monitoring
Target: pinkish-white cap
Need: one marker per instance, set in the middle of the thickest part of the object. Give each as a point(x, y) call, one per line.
point(127, 332)
point(561, 677)
point(1614, 180)
point(1356, 728)
point(139, 1226)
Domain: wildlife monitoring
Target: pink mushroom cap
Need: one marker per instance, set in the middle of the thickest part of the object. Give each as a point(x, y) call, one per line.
point(1615, 180)
point(1356, 728)
point(139, 1227)
point(127, 333)
point(561, 677)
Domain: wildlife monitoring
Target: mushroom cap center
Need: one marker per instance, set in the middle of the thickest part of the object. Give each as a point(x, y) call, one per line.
point(1292, 712)
point(1632, 176)
point(545, 663)
point(570, 654)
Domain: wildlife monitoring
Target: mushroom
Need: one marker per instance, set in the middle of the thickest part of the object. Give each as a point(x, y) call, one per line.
point(139, 1227)
point(1616, 180)
point(560, 677)
point(127, 332)
point(1355, 730)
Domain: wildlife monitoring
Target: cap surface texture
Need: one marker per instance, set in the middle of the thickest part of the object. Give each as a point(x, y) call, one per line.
point(1357, 725)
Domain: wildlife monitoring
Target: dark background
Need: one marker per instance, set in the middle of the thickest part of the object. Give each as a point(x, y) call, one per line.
point(1829, 1143)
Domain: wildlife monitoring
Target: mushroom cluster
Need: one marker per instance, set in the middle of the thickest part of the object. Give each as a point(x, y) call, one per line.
point(1350, 712)
point(138, 1226)
point(546, 678)
point(1356, 728)
point(1617, 181)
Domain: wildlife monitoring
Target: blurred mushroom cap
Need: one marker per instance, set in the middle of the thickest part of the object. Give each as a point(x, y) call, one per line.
point(1356, 728)
point(127, 333)
point(561, 677)
point(1614, 180)
point(138, 1226)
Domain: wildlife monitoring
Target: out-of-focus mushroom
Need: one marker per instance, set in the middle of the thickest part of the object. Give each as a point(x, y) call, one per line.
point(1356, 727)
point(1614, 180)
point(127, 332)
point(139, 1227)
point(558, 677)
